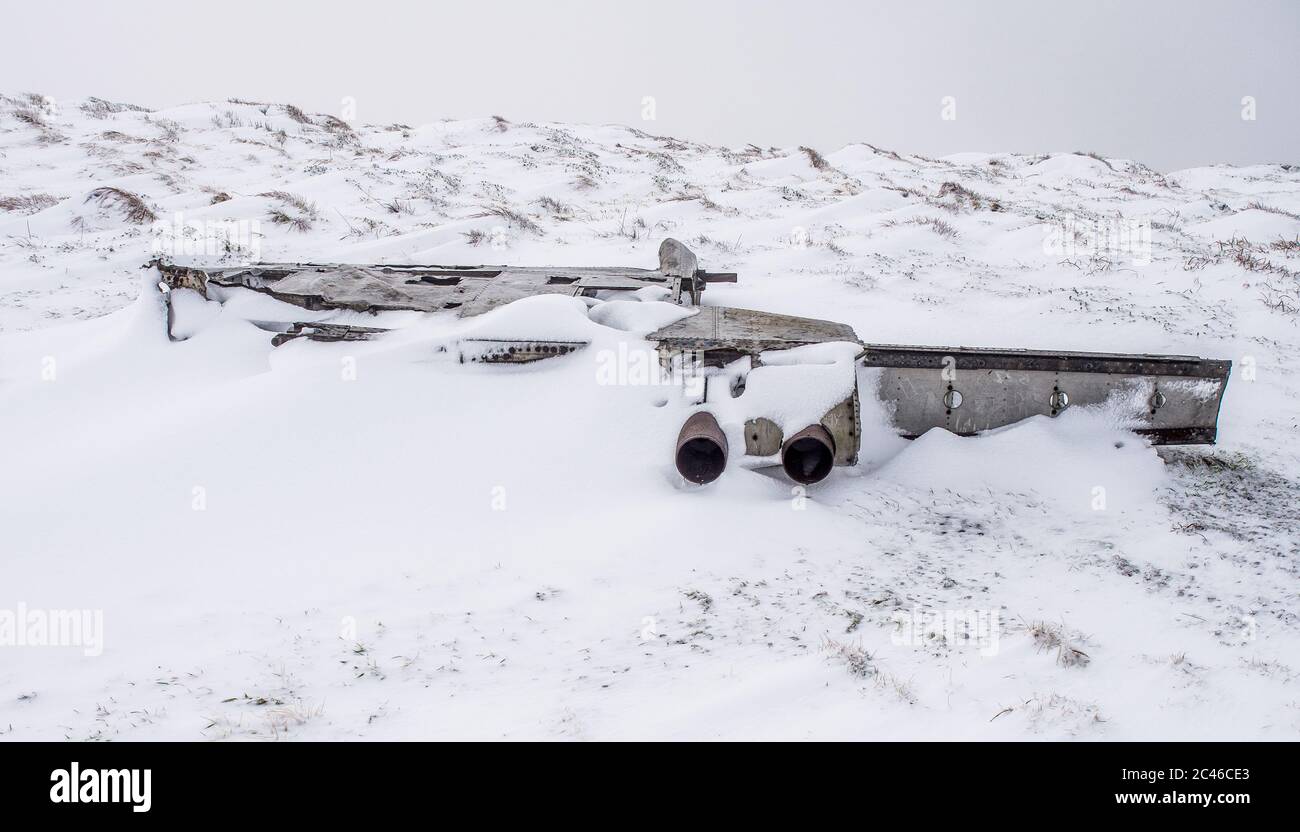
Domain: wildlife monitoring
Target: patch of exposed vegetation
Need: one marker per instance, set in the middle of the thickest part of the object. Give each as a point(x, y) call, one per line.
point(960, 197)
point(1233, 495)
point(555, 208)
point(1097, 156)
point(935, 224)
point(132, 206)
point(340, 129)
point(702, 598)
point(27, 203)
point(32, 117)
point(514, 217)
point(1048, 637)
point(1055, 710)
point(99, 108)
point(296, 114)
point(854, 658)
point(293, 211)
point(1259, 206)
point(815, 159)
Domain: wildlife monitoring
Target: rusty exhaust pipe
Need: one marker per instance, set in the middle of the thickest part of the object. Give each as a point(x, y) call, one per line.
point(809, 455)
point(701, 449)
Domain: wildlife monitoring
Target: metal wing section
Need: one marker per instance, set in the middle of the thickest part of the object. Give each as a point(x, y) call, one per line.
point(1172, 399)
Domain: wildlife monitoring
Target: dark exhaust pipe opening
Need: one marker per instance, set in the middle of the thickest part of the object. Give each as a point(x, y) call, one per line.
point(809, 455)
point(701, 449)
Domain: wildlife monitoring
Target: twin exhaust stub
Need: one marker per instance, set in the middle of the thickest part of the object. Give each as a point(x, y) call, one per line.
point(701, 449)
point(807, 457)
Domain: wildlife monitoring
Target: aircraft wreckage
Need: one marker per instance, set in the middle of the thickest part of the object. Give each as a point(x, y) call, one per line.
point(1170, 399)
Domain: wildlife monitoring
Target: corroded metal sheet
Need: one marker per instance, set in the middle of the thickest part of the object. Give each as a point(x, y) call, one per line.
point(1170, 399)
point(326, 332)
point(763, 437)
point(968, 358)
point(469, 290)
point(724, 333)
point(504, 351)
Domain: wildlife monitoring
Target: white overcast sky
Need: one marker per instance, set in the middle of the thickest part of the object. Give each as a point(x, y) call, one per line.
point(1154, 80)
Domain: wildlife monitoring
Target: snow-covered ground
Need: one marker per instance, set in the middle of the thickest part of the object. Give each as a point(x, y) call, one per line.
point(372, 540)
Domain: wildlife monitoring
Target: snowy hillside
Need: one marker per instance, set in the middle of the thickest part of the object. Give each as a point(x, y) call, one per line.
point(424, 549)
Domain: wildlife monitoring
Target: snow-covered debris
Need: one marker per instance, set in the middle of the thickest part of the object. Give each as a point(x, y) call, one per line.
point(372, 539)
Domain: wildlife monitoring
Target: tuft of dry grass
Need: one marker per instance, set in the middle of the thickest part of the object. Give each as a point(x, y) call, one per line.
point(293, 211)
point(171, 130)
point(1097, 156)
point(1054, 637)
point(99, 108)
point(433, 184)
point(636, 231)
point(30, 117)
point(889, 154)
point(132, 206)
point(119, 136)
point(940, 227)
point(855, 658)
point(27, 203)
point(1242, 252)
point(556, 209)
point(704, 599)
point(935, 224)
point(1056, 710)
point(296, 114)
point(516, 218)
point(297, 222)
point(899, 687)
point(694, 192)
point(815, 159)
point(1259, 206)
point(963, 197)
point(291, 200)
point(341, 130)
